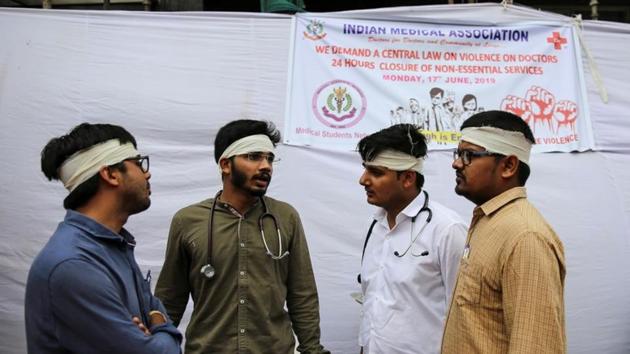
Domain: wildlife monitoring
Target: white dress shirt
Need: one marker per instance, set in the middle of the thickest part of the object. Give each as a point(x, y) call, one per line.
point(405, 299)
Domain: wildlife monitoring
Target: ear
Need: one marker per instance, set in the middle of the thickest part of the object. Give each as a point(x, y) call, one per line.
point(226, 166)
point(409, 179)
point(110, 176)
point(509, 167)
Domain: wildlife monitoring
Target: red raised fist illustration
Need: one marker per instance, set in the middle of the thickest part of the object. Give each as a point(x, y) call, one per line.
point(542, 104)
point(565, 114)
point(518, 106)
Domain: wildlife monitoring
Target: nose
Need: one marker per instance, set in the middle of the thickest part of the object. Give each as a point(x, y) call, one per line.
point(265, 165)
point(363, 180)
point(457, 164)
point(147, 175)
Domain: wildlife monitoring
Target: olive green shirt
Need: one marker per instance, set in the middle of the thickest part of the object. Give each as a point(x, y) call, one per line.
point(242, 308)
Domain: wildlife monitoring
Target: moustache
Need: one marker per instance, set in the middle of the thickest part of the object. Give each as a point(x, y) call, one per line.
point(263, 177)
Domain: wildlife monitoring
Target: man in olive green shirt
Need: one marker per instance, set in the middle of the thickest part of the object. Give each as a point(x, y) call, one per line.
point(242, 256)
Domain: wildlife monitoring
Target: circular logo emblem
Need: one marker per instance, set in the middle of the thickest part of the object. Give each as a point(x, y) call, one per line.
point(339, 104)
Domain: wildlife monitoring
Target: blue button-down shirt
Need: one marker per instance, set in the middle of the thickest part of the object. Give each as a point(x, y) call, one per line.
point(83, 289)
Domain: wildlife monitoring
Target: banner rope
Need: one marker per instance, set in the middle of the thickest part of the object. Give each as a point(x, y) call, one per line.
point(597, 77)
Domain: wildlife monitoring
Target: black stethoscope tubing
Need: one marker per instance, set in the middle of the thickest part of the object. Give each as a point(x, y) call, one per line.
point(208, 269)
point(425, 207)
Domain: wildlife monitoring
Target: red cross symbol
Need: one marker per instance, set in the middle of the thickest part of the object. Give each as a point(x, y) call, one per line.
point(557, 40)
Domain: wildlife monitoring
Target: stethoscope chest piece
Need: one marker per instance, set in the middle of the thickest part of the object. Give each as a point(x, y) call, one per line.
point(208, 271)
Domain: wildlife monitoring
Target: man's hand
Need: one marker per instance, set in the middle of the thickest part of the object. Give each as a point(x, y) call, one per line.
point(141, 325)
point(156, 318)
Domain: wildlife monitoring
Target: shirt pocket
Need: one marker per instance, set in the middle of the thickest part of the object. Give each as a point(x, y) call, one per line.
point(470, 277)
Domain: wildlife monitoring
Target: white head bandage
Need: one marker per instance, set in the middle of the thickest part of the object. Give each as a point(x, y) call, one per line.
point(84, 164)
point(396, 161)
point(500, 141)
point(252, 143)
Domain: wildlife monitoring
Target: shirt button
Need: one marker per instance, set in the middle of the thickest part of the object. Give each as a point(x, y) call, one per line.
point(242, 273)
point(242, 330)
point(242, 301)
point(242, 244)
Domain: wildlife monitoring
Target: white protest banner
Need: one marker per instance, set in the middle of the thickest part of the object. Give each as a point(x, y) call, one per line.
point(351, 77)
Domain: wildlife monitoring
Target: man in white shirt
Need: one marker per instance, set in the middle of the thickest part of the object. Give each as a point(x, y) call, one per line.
point(412, 251)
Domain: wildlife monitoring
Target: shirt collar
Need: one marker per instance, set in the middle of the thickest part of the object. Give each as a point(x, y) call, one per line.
point(226, 206)
point(409, 211)
point(97, 230)
point(414, 207)
point(501, 200)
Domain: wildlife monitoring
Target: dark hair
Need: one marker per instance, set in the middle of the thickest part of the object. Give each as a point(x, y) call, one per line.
point(435, 91)
point(239, 129)
point(506, 121)
point(83, 136)
point(405, 138)
point(468, 97)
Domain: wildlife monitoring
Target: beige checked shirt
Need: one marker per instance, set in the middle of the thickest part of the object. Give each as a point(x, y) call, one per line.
point(509, 292)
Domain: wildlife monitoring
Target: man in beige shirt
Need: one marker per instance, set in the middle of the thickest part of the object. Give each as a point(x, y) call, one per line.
point(509, 293)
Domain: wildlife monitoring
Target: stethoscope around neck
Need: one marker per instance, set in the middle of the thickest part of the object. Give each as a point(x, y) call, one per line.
point(208, 270)
point(413, 239)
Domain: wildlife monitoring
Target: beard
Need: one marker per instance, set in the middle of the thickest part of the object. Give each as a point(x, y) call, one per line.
point(136, 200)
point(239, 180)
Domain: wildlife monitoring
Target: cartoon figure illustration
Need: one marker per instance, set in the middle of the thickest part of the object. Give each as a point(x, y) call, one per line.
point(469, 107)
point(451, 114)
point(416, 113)
point(397, 115)
point(444, 113)
point(433, 116)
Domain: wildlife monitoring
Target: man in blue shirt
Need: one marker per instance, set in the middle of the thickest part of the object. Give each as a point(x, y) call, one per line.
point(85, 292)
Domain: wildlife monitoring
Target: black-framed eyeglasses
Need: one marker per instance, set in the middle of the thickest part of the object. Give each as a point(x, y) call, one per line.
point(140, 161)
point(467, 155)
point(259, 156)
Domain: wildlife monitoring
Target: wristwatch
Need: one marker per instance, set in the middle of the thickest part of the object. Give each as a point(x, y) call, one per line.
point(157, 317)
